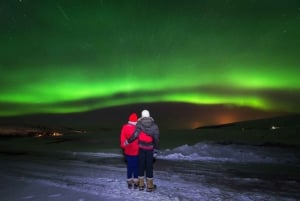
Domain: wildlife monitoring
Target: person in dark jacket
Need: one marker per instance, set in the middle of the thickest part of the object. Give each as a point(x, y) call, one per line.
point(147, 133)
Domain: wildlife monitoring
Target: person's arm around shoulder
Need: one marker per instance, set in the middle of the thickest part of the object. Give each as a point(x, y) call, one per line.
point(134, 136)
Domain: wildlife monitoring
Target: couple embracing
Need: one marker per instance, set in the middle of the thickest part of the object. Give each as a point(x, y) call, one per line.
point(139, 138)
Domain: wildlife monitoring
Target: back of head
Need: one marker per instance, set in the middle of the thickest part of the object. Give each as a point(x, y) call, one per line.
point(133, 117)
point(145, 113)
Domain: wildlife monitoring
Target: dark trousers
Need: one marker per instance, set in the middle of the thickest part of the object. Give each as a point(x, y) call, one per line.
point(132, 166)
point(146, 163)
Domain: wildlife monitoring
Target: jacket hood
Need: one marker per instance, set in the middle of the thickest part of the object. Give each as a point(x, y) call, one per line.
point(147, 121)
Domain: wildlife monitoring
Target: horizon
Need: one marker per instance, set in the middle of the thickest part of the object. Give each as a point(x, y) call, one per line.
point(100, 120)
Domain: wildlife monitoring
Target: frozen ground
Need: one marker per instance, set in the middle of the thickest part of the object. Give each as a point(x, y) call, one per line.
point(204, 171)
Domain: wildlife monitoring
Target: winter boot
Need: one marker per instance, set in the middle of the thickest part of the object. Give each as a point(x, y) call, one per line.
point(129, 183)
point(135, 183)
point(150, 186)
point(141, 183)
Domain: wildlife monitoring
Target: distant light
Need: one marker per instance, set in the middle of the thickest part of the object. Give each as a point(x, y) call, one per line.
point(275, 127)
point(57, 134)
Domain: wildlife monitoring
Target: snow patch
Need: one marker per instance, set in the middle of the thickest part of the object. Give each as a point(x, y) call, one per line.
point(227, 153)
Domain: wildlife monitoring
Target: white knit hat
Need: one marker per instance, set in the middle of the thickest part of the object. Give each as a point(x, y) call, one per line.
point(145, 113)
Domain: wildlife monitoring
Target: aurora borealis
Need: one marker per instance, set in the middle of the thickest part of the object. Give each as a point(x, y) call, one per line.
point(77, 56)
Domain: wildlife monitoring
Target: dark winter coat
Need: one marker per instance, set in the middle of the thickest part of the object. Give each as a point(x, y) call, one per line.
point(147, 132)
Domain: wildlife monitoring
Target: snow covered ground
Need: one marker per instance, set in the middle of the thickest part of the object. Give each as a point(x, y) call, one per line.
point(204, 171)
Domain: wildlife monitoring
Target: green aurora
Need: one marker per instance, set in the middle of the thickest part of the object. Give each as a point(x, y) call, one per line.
point(75, 56)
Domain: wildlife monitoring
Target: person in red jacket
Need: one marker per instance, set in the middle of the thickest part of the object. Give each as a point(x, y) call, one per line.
point(130, 151)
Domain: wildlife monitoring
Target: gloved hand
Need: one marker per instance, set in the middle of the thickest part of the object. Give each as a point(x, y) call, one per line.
point(155, 152)
point(126, 143)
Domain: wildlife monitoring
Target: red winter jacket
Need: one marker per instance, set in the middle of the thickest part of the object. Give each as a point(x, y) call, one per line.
point(145, 141)
point(131, 149)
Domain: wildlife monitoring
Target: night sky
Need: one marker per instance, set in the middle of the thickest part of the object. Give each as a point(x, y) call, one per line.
point(224, 61)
